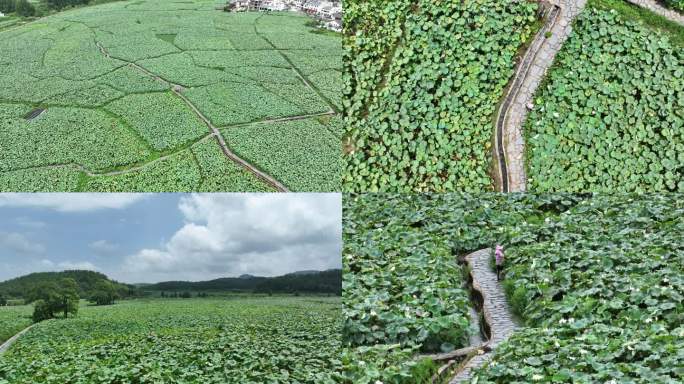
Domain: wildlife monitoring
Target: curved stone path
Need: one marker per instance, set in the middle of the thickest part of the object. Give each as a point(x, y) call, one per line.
point(544, 52)
point(494, 307)
point(656, 8)
point(5, 346)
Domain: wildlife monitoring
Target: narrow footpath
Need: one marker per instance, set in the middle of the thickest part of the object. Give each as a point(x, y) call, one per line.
point(510, 144)
point(497, 314)
point(5, 346)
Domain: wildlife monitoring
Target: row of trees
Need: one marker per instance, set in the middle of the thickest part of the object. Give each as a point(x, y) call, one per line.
point(184, 295)
point(25, 8)
point(21, 7)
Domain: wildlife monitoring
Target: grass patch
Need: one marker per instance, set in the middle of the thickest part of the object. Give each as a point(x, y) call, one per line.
point(632, 12)
point(423, 371)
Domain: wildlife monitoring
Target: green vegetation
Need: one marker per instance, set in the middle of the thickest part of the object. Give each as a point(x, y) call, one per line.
point(602, 293)
point(611, 114)
point(326, 282)
point(675, 4)
point(238, 340)
point(86, 281)
point(118, 85)
point(13, 319)
point(53, 298)
point(287, 150)
point(595, 279)
point(423, 80)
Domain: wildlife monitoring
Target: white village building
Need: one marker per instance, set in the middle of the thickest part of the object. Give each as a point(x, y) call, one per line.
point(328, 12)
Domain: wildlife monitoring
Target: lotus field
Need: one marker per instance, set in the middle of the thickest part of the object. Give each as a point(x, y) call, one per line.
point(13, 320)
point(134, 96)
point(596, 282)
point(611, 114)
point(230, 340)
point(422, 83)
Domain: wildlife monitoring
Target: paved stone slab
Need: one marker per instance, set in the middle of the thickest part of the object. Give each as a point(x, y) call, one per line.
point(544, 51)
point(494, 307)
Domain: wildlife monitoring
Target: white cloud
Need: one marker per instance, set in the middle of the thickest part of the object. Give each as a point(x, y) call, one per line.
point(87, 265)
point(232, 234)
point(71, 202)
point(103, 247)
point(19, 243)
point(27, 222)
point(49, 265)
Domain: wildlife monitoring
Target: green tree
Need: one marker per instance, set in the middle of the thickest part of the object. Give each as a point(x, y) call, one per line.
point(7, 6)
point(68, 292)
point(59, 4)
point(42, 311)
point(105, 293)
point(52, 298)
point(24, 8)
point(3, 300)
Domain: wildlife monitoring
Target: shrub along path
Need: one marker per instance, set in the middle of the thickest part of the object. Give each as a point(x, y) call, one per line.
point(494, 307)
point(523, 90)
point(655, 7)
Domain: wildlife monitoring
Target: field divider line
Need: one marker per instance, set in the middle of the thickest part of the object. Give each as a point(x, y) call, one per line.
point(91, 173)
point(230, 154)
point(279, 120)
point(301, 76)
point(5, 346)
point(175, 88)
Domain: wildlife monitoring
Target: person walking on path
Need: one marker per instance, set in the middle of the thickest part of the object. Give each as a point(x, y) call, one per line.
point(499, 259)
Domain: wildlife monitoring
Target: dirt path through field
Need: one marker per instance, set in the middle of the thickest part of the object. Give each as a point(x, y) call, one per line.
point(5, 346)
point(176, 89)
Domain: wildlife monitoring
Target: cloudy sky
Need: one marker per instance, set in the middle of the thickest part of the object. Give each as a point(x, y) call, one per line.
point(137, 238)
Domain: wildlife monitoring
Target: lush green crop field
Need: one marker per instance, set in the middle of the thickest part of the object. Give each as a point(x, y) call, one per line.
point(597, 281)
point(231, 340)
point(105, 74)
point(601, 291)
point(13, 319)
point(610, 116)
point(423, 81)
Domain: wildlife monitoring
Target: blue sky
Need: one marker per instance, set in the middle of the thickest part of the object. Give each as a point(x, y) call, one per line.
point(158, 237)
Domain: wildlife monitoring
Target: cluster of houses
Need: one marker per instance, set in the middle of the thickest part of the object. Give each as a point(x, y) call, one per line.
point(328, 12)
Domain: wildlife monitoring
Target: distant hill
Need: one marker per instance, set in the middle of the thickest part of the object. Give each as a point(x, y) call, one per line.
point(86, 280)
point(304, 282)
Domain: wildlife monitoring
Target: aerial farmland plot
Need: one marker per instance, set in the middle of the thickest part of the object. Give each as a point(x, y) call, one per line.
point(513, 96)
point(169, 96)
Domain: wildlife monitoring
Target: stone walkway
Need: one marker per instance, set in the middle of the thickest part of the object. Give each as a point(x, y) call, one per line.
point(654, 7)
point(4, 347)
point(495, 309)
point(516, 113)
